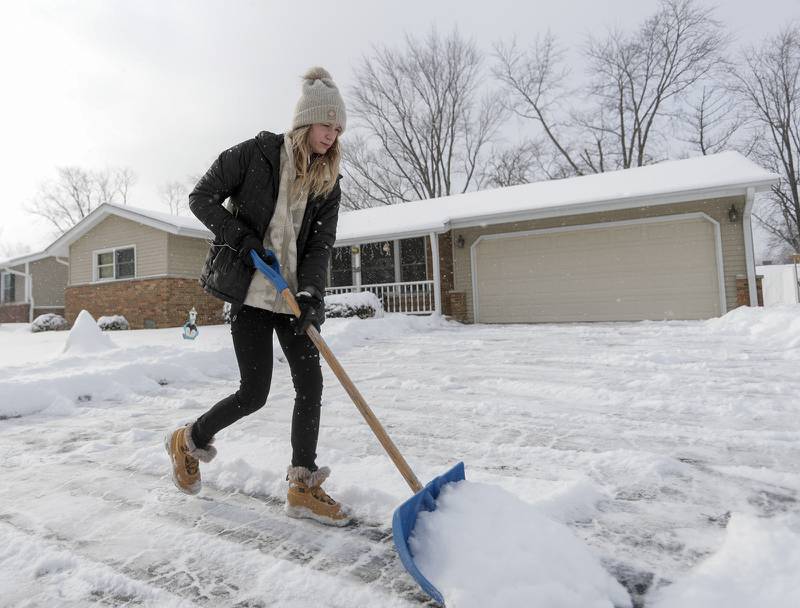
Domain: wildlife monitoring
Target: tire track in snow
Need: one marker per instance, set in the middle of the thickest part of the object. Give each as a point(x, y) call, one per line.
point(363, 554)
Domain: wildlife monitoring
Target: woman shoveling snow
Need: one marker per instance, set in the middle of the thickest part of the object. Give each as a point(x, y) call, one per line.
point(284, 198)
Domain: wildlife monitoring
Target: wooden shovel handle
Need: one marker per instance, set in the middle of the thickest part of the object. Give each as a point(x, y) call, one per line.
point(360, 402)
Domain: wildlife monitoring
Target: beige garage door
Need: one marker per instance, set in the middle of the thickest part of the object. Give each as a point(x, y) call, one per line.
point(623, 272)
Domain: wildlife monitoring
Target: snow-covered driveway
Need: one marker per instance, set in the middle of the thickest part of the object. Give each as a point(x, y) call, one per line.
point(659, 444)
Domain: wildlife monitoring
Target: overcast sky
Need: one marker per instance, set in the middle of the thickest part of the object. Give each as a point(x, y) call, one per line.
point(162, 87)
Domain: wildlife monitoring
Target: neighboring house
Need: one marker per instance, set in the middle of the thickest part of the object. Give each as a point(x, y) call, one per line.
point(138, 263)
point(32, 285)
point(666, 241)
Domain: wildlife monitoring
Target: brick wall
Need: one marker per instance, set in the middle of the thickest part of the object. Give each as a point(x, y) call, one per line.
point(14, 313)
point(163, 302)
point(743, 290)
point(457, 302)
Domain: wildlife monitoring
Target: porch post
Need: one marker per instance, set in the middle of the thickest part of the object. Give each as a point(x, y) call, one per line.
point(398, 278)
point(437, 275)
point(748, 246)
point(355, 252)
point(29, 291)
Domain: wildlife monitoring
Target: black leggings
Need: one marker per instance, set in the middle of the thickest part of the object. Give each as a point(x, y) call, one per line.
point(251, 329)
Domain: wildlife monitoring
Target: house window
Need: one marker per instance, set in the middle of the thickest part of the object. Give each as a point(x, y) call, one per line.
point(9, 285)
point(413, 266)
point(341, 267)
point(377, 263)
point(115, 264)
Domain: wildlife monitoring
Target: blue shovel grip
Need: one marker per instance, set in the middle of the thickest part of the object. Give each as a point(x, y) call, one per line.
point(271, 271)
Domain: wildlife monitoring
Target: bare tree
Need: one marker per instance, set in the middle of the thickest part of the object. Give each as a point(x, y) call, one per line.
point(175, 196)
point(123, 180)
point(10, 248)
point(424, 125)
point(712, 120)
point(77, 192)
point(636, 82)
point(369, 183)
point(768, 83)
point(512, 166)
point(534, 81)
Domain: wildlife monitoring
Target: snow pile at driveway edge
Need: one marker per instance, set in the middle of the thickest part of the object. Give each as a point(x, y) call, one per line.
point(778, 326)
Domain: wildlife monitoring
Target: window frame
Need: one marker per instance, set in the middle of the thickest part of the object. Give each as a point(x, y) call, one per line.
point(330, 281)
point(113, 251)
point(4, 291)
point(390, 254)
point(423, 263)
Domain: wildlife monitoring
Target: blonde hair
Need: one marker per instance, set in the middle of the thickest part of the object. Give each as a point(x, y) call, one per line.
point(315, 173)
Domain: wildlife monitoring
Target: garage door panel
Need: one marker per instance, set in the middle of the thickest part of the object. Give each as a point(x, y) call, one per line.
point(660, 270)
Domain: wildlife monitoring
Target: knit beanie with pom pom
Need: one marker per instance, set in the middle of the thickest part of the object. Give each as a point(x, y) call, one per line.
point(320, 101)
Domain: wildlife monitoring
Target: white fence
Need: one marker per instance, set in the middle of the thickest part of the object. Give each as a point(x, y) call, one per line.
point(411, 297)
point(781, 284)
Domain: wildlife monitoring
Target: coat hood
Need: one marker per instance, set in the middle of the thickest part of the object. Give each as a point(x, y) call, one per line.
point(270, 146)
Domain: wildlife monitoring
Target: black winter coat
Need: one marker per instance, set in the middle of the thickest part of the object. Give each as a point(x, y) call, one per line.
point(249, 173)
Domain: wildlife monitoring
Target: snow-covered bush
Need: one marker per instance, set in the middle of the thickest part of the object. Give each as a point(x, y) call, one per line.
point(113, 323)
point(49, 322)
point(362, 305)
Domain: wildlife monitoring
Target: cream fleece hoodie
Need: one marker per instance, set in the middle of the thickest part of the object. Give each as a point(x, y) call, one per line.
point(281, 238)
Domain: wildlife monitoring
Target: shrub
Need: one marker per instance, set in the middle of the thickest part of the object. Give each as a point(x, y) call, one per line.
point(113, 323)
point(49, 322)
point(362, 305)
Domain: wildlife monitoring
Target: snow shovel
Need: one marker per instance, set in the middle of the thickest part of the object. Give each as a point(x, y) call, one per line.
point(424, 498)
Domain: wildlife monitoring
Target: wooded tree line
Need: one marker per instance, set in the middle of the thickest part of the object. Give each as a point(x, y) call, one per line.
point(433, 116)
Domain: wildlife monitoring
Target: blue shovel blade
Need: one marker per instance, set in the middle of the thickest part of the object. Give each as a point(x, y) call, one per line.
point(405, 518)
point(272, 272)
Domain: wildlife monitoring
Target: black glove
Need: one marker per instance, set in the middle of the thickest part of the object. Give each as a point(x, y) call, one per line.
point(252, 243)
point(312, 310)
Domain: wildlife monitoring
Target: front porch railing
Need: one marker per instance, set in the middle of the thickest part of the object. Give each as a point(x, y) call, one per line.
point(411, 297)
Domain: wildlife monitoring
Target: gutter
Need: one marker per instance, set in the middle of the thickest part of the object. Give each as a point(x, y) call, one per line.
point(611, 204)
point(747, 227)
point(29, 290)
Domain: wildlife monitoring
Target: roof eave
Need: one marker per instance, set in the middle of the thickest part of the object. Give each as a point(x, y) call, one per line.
point(194, 233)
point(25, 259)
point(60, 247)
point(390, 236)
point(613, 204)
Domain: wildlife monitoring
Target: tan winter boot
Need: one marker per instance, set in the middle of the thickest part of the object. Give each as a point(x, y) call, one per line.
point(306, 499)
point(185, 457)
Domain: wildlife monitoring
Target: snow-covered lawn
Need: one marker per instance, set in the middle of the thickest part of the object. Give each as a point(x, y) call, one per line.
point(670, 450)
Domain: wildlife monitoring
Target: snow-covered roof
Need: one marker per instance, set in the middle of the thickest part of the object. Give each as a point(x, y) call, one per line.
point(174, 224)
point(723, 174)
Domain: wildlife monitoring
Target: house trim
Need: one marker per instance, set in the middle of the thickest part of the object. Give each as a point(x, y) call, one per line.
point(437, 275)
point(473, 253)
point(148, 277)
point(749, 256)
